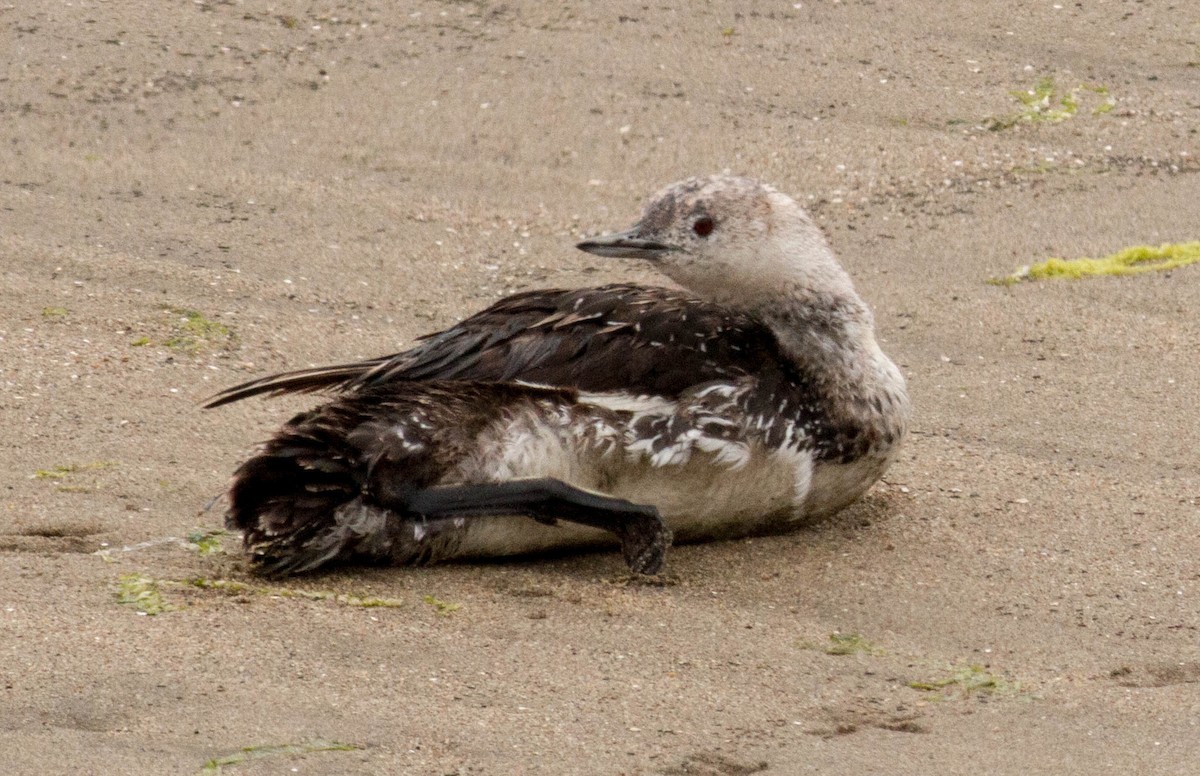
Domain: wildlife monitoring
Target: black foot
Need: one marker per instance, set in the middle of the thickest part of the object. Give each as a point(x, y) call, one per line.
point(643, 534)
point(644, 544)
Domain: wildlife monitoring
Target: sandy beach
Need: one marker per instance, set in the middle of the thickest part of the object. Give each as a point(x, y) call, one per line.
point(194, 194)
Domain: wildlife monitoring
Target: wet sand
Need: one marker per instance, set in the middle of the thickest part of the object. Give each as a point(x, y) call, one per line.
point(195, 194)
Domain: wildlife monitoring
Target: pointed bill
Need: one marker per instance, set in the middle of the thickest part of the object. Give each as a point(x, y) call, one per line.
point(625, 245)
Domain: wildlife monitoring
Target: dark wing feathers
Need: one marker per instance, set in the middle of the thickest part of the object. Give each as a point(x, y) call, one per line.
point(627, 337)
point(300, 381)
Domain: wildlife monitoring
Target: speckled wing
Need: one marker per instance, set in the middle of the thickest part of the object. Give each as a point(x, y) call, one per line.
point(631, 338)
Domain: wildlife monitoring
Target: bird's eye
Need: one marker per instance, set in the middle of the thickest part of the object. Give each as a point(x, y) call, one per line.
point(703, 226)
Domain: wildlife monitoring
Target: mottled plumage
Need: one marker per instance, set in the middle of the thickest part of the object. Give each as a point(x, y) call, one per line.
point(754, 401)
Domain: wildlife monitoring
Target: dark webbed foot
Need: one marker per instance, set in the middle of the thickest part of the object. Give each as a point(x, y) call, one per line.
point(644, 542)
point(643, 535)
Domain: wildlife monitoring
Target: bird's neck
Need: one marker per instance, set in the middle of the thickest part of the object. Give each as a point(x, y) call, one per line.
point(819, 328)
point(828, 333)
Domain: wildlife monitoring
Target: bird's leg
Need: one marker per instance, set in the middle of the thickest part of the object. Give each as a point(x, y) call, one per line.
point(643, 534)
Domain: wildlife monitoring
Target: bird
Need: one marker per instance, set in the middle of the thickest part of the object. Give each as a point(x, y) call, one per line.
point(753, 399)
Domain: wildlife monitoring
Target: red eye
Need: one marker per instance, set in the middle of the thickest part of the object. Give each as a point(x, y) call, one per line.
point(703, 226)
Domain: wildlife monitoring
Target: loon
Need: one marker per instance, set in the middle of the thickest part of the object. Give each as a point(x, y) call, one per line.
point(752, 402)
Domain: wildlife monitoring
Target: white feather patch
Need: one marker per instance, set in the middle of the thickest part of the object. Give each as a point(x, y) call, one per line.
point(624, 402)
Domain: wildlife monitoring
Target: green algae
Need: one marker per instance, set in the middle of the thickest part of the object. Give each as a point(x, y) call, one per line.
point(142, 593)
point(194, 331)
point(444, 608)
point(248, 753)
point(850, 644)
point(56, 472)
point(207, 542)
point(967, 681)
point(1130, 261)
point(844, 644)
point(63, 475)
point(234, 587)
point(1047, 103)
point(62, 471)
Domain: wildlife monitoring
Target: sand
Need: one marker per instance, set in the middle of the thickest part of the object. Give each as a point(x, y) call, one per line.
point(193, 194)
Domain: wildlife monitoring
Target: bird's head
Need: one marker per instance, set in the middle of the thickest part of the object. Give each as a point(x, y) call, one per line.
point(728, 239)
